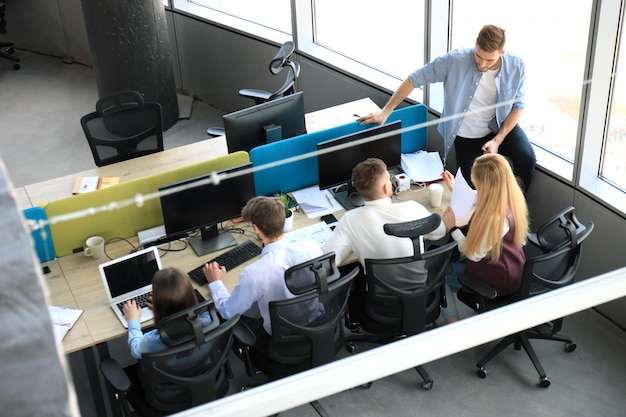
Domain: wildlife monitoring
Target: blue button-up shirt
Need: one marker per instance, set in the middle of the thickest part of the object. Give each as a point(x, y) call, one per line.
point(457, 70)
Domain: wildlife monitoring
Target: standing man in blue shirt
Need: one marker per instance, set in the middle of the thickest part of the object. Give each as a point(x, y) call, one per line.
point(484, 96)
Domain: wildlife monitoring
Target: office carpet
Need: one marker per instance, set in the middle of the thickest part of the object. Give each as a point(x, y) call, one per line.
point(184, 106)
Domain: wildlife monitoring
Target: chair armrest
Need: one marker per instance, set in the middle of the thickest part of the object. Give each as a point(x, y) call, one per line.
point(243, 334)
point(478, 286)
point(114, 374)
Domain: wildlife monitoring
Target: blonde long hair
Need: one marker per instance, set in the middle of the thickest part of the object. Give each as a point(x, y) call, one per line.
point(497, 191)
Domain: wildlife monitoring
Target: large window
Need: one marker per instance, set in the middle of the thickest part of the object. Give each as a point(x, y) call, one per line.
point(274, 14)
point(388, 37)
point(614, 158)
point(551, 37)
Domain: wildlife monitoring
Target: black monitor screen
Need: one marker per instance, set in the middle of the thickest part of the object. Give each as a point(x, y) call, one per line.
point(274, 120)
point(337, 157)
point(200, 203)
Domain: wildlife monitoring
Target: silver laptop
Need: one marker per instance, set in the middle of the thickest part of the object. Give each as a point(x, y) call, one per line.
point(130, 277)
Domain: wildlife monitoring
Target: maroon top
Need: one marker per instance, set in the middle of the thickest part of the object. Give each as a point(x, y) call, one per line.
point(505, 276)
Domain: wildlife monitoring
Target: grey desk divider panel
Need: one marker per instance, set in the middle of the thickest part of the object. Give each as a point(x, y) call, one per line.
point(302, 173)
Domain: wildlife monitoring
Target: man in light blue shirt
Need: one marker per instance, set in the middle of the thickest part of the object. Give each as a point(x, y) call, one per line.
point(484, 96)
point(264, 280)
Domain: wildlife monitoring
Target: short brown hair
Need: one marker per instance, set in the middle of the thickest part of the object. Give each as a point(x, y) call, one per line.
point(171, 292)
point(267, 213)
point(491, 38)
point(365, 176)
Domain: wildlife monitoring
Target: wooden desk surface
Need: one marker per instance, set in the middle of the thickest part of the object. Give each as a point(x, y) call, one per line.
point(57, 188)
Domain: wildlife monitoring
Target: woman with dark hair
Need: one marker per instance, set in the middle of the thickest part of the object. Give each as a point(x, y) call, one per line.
point(171, 292)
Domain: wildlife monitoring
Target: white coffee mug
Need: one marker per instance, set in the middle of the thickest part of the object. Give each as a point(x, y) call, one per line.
point(436, 192)
point(94, 247)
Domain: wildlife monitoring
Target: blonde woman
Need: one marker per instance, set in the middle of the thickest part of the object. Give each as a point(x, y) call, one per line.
point(492, 250)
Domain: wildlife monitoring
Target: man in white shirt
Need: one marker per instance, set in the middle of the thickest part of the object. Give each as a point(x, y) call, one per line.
point(361, 230)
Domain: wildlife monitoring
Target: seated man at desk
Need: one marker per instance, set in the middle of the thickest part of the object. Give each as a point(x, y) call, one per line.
point(361, 230)
point(264, 280)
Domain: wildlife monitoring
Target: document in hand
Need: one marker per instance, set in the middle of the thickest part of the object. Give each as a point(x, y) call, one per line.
point(462, 199)
point(422, 166)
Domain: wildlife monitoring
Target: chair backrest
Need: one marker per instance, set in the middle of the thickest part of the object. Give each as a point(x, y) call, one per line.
point(554, 269)
point(404, 295)
point(561, 229)
point(307, 329)
point(193, 369)
point(123, 127)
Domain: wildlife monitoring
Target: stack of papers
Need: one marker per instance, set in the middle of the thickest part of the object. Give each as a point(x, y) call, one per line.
point(315, 202)
point(422, 166)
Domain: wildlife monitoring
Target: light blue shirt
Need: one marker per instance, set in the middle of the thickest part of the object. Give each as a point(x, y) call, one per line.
point(457, 70)
point(139, 343)
point(263, 281)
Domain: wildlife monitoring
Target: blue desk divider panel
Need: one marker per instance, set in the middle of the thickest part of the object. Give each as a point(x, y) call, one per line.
point(291, 164)
point(41, 235)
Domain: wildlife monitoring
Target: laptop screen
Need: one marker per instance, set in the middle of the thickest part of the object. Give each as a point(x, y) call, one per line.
point(131, 272)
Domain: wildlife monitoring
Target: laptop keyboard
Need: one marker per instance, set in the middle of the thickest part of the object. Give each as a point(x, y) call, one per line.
point(229, 259)
point(141, 300)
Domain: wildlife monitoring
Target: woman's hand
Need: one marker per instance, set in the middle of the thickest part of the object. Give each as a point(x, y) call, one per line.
point(131, 310)
point(448, 178)
point(449, 219)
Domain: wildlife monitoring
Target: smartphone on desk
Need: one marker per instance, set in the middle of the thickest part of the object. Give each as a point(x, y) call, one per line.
point(330, 220)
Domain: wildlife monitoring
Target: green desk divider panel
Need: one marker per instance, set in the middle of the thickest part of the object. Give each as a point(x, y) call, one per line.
point(42, 239)
point(124, 209)
point(270, 174)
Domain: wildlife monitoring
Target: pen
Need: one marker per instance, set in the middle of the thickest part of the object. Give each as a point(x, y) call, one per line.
point(356, 115)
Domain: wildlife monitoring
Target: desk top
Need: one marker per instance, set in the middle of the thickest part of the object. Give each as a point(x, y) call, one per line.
point(57, 188)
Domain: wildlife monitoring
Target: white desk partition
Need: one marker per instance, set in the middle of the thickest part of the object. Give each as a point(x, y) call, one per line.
point(426, 347)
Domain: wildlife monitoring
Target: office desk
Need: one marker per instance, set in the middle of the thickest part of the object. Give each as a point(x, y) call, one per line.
point(61, 187)
point(86, 291)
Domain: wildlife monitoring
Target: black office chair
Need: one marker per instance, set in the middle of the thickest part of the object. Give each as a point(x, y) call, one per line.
point(562, 237)
point(193, 370)
point(395, 306)
point(307, 330)
point(123, 127)
point(6, 48)
point(277, 64)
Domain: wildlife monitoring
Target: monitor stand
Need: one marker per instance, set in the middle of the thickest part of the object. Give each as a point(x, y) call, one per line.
point(210, 240)
point(348, 197)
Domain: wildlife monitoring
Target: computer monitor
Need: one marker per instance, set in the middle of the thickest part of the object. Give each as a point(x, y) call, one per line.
point(267, 122)
point(337, 157)
point(202, 203)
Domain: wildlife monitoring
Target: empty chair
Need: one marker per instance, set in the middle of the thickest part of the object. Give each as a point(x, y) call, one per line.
point(280, 62)
point(123, 127)
point(553, 269)
point(193, 370)
point(403, 295)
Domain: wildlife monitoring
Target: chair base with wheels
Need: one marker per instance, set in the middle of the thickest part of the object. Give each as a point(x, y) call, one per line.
point(560, 238)
point(6, 51)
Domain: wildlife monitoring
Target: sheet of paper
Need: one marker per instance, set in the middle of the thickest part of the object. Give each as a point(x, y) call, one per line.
point(318, 233)
point(462, 199)
point(422, 166)
point(63, 318)
point(315, 202)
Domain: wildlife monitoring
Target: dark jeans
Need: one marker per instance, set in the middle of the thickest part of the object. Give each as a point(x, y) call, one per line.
point(516, 147)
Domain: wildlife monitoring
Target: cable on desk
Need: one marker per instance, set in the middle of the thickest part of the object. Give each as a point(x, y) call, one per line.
point(115, 239)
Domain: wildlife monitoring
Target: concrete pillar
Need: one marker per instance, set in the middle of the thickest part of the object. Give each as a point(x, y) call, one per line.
point(130, 48)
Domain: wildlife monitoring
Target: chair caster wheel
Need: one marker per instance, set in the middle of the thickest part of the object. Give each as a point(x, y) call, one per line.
point(10, 49)
point(544, 382)
point(367, 386)
point(16, 66)
point(570, 347)
point(482, 372)
point(350, 347)
point(427, 385)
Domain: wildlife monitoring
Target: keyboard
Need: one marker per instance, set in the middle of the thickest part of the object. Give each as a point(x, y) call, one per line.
point(229, 259)
point(141, 300)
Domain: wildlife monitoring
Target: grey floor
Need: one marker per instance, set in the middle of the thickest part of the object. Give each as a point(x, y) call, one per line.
point(41, 138)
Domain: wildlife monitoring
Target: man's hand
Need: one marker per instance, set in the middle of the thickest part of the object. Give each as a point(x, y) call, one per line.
point(378, 118)
point(491, 146)
point(213, 271)
point(131, 310)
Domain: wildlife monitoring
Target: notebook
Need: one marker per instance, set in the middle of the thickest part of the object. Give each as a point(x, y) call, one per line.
point(128, 277)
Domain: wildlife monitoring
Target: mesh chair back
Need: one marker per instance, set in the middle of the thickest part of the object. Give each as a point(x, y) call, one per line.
point(307, 329)
point(195, 370)
point(561, 229)
point(123, 127)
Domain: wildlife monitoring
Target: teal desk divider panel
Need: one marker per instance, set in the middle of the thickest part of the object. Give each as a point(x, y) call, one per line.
point(291, 164)
point(41, 236)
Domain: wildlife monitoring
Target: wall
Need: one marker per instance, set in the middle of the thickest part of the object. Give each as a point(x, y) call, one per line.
point(214, 63)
